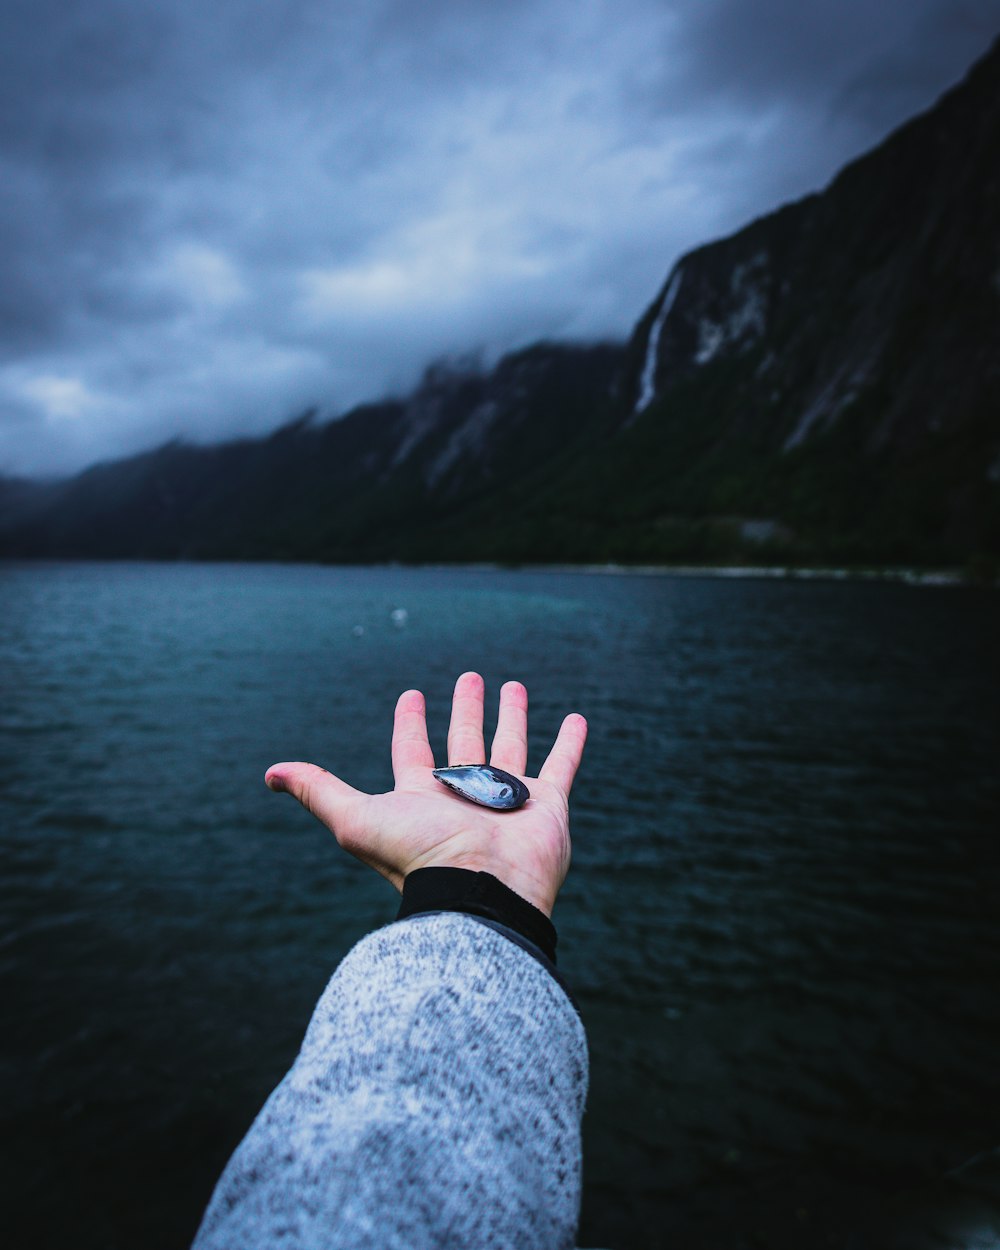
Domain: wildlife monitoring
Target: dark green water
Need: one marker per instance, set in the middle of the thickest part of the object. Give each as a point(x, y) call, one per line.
point(781, 924)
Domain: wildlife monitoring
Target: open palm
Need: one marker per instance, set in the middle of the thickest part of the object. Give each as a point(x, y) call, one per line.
point(421, 824)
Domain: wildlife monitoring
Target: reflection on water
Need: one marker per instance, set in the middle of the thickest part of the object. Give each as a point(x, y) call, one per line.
point(781, 921)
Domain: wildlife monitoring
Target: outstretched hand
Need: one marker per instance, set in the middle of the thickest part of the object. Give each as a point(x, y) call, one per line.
point(421, 824)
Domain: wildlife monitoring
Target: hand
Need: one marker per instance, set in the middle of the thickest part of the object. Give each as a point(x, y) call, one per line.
point(421, 824)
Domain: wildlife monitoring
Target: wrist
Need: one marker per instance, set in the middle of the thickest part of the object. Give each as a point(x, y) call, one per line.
point(478, 893)
point(540, 893)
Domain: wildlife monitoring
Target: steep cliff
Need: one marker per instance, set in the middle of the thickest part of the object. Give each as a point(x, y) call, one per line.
point(835, 367)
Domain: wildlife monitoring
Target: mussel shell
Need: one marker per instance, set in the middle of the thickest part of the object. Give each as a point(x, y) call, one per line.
point(485, 785)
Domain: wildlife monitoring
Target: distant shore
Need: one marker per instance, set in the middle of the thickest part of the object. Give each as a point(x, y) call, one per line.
point(902, 574)
point(776, 572)
point(908, 576)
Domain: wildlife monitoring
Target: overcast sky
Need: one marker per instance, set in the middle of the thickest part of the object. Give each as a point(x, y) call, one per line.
point(215, 214)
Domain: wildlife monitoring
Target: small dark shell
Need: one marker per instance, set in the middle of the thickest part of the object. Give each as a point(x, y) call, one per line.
point(485, 785)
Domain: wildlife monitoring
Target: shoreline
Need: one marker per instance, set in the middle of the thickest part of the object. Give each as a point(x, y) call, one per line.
point(902, 575)
point(906, 575)
point(773, 572)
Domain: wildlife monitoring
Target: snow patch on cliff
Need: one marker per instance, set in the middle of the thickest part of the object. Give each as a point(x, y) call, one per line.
point(421, 417)
point(711, 337)
point(468, 440)
point(747, 286)
point(746, 317)
point(839, 393)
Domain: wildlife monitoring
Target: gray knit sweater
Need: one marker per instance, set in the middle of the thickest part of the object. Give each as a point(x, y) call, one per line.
point(436, 1101)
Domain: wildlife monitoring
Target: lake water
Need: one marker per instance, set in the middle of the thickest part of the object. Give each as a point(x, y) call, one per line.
point(781, 923)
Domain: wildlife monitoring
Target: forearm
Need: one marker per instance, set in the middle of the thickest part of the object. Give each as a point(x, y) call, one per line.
point(436, 1101)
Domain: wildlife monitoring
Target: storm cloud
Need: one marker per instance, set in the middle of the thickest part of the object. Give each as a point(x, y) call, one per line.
point(215, 215)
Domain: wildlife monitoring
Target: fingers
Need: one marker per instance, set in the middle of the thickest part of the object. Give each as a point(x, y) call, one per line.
point(465, 733)
point(326, 796)
point(510, 742)
point(567, 751)
point(410, 746)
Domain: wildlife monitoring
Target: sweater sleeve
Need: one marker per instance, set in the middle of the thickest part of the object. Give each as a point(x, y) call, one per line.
point(436, 1101)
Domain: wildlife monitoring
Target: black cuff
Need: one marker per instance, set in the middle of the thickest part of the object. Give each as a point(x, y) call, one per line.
point(479, 894)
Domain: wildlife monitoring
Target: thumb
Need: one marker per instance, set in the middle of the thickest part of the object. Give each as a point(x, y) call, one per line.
point(326, 796)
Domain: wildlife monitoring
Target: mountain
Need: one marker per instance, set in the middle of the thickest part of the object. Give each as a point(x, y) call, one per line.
point(384, 482)
point(823, 385)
